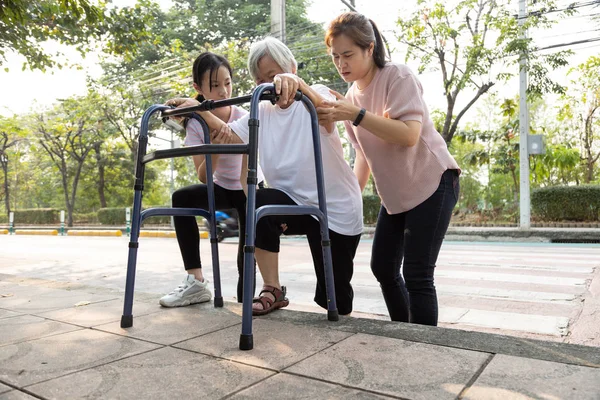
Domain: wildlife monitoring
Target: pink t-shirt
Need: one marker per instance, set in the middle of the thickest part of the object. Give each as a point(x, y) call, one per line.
point(227, 173)
point(405, 176)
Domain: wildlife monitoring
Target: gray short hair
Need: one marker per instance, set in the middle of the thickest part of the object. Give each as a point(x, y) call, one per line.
point(274, 48)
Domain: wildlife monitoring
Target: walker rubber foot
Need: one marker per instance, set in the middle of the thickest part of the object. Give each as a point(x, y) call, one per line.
point(126, 321)
point(218, 302)
point(333, 315)
point(246, 342)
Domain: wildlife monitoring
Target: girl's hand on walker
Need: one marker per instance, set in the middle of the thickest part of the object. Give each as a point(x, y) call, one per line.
point(338, 110)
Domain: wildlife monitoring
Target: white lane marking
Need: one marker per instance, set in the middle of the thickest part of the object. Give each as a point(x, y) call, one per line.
point(490, 276)
point(542, 324)
point(508, 294)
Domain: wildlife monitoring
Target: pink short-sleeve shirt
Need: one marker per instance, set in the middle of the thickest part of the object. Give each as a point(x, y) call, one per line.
point(405, 176)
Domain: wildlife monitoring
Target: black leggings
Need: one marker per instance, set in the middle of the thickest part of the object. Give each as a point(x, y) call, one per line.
point(414, 236)
point(343, 247)
point(186, 228)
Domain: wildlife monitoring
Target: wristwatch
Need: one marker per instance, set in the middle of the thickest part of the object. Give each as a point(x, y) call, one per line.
point(359, 117)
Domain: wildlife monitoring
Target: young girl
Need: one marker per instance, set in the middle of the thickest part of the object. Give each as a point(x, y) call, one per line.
point(211, 75)
point(417, 179)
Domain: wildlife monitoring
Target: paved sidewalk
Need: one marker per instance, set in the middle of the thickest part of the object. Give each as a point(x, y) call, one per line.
point(61, 340)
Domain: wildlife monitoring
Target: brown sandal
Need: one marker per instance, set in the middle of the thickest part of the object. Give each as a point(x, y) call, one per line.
point(269, 305)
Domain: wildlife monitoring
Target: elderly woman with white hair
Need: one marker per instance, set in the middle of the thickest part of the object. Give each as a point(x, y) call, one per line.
point(287, 160)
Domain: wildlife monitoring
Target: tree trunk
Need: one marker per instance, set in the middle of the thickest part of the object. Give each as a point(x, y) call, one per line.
point(6, 187)
point(101, 183)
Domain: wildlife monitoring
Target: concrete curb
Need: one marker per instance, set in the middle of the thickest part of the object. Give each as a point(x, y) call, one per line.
point(161, 234)
point(72, 232)
point(52, 232)
point(566, 353)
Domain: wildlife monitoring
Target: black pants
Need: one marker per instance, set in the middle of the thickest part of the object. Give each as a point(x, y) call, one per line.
point(186, 228)
point(415, 236)
point(343, 247)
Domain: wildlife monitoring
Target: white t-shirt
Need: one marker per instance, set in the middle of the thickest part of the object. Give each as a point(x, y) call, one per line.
point(285, 149)
point(227, 173)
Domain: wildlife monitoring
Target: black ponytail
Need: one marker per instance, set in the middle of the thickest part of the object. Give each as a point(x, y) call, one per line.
point(379, 53)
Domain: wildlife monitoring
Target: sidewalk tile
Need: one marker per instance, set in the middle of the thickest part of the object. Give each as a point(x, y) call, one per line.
point(4, 388)
point(164, 373)
point(16, 395)
point(98, 313)
point(36, 299)
point(293, 387)
point(28, 327)
point(277, 345)
point(177, 324)
point(394, 367)
point(37, 360)
point(8, 314)
point(508, 377)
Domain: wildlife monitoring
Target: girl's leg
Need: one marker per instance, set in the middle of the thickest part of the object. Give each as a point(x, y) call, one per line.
point(426, 226)
point(186, 228)
point(386, 259)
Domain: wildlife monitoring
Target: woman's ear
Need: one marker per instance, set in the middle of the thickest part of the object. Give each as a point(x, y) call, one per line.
point(197, 88)
point(371, 48)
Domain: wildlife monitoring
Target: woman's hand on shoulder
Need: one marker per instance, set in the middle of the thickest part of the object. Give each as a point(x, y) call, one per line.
point(338, 110)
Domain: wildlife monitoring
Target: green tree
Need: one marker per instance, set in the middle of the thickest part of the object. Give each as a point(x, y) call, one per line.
point(581, 105)
point(11, 134)
point(68, 134)
point(473, 45)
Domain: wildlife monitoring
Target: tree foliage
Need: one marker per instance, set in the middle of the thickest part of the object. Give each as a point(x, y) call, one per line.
point(26, 27)
point(580, 111)
point(68, 134)
point(476, 45)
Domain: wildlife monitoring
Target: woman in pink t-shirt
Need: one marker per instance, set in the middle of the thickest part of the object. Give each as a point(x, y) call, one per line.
point(416, 177)
point(211, 74)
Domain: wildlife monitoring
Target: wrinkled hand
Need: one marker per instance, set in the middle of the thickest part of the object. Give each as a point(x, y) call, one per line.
point(286, 86)
point(222, 136)
point(338, 110)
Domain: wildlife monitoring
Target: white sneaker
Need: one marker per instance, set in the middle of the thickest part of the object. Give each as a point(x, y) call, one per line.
point(191, 291)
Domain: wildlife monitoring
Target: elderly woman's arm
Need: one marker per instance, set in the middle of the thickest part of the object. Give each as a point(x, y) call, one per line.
point(286, 86)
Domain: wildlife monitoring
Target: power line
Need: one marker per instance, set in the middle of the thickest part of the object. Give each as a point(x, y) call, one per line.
point(575, 42)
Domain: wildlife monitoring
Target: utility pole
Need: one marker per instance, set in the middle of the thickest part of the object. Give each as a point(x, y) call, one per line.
point(278, 19)
point(524, 190)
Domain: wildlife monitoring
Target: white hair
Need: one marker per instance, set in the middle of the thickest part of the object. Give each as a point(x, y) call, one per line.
point(274, 48)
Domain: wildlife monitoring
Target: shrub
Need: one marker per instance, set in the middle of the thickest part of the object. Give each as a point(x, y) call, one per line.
point(37, 216)
point(89, 218)
point(573, 203)
point(112, 216)
point(371, 206)
point(116, 216)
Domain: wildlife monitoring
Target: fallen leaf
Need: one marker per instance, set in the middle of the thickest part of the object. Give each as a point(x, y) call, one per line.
point(6, 295)
point(82, 303)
